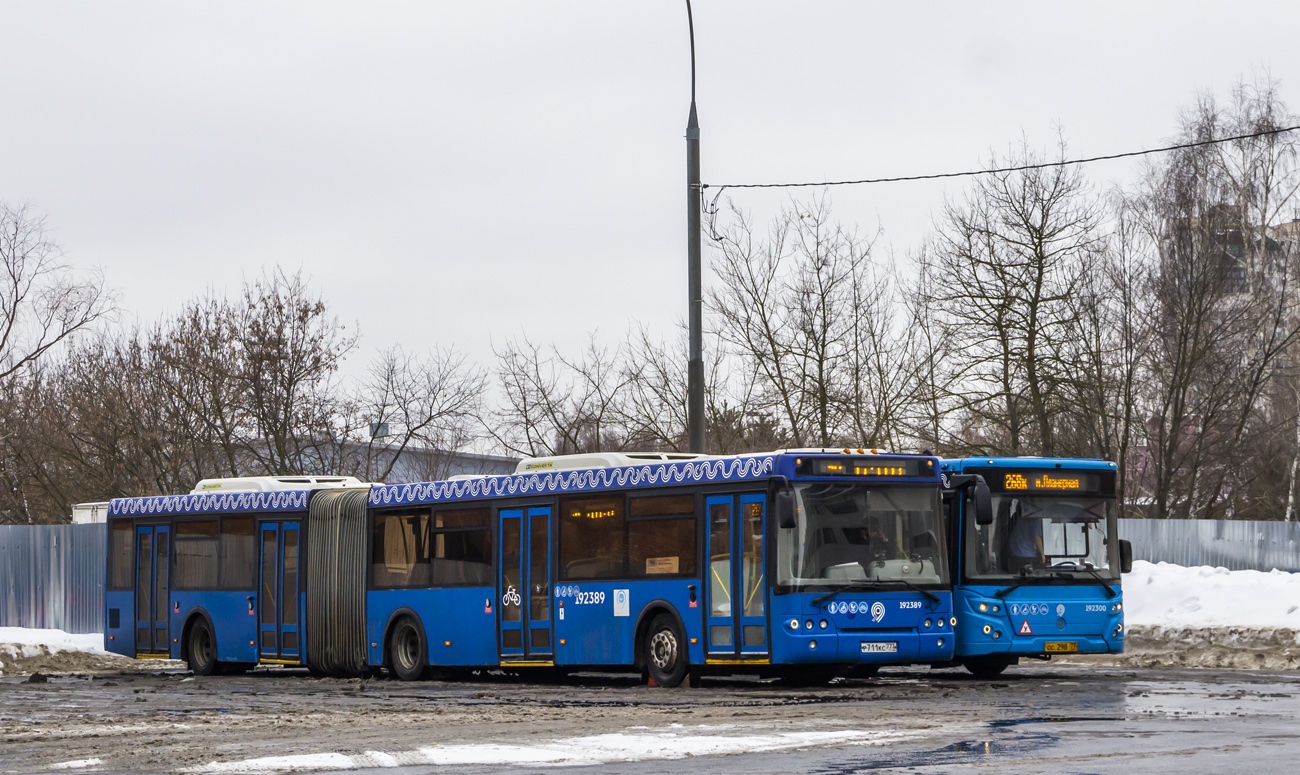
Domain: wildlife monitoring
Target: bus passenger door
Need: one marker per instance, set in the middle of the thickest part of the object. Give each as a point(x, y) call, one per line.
point(751, 575)
point(151, 590)
point(539, 582)
point(721, 614)
point(277, 599)
point(737, 599)
point(525, 583)
point(509, 596)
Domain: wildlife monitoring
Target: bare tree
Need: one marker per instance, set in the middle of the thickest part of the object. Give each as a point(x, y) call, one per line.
point(42, 300)
point(291, 350)
point(427, 406)
point(1227, 304)
point(803, 310)
point(1011, 255)
point(552, 405)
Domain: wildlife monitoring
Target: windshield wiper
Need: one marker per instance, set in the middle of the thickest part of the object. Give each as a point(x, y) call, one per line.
point(925, 592)
point(860, 587)
point(1025, 578)
point(1110, 593)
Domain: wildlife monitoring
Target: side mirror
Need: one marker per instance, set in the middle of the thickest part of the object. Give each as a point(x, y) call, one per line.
point(983, 502)
point(785, 508)
point(1125, 557)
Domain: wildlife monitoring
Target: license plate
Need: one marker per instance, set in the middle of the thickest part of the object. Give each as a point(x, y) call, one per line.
point(870, 647)
point(1062, 646)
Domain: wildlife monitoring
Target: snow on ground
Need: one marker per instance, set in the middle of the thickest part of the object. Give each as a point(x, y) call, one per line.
point(674, 742)
point(1160, 594)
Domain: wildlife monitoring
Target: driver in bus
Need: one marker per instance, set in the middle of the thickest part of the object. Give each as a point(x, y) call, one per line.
point(882, 546)
point(1025, 541)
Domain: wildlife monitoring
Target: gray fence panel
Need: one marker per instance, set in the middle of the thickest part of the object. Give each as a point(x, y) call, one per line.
point(1232, 544)
point(52, 576)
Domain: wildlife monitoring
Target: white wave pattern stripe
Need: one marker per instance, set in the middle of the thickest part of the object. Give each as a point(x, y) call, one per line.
point(579, 480)
point(283, 500)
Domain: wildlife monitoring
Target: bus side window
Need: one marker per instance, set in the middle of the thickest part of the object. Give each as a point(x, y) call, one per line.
point(238, 553)
point(400, 557)
point(461, 545)
point(592, 538)
point(120, 552)
point(661, 536)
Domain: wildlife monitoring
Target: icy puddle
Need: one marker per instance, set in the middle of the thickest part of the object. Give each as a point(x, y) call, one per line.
point(673, 742)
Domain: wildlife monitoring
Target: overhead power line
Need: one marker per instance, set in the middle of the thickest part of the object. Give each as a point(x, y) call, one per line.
point(1022, 168)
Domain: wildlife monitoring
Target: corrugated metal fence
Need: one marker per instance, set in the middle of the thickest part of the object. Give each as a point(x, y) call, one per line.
point(1232, 544)
point(52, 576)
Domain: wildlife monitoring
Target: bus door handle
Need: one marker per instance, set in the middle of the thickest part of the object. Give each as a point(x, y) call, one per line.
point(691, 589)
point(250, 605)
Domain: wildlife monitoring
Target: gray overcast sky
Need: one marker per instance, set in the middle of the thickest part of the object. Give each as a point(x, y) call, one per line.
point(461, 173)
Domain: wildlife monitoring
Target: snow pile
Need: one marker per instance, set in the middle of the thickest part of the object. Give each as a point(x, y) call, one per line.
point(24, 651)
point(21, 641)
point(674, 742)
point(1164, 595)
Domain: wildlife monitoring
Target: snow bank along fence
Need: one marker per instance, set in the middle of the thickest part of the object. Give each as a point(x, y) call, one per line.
point(1231, 544)
point(52, 576)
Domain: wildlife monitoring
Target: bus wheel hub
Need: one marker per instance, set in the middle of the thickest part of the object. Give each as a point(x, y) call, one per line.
point(663, 650)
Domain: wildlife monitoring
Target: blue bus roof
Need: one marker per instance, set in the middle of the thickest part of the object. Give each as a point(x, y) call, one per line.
point(960, 464)
point(204, 503)
point(736, 468)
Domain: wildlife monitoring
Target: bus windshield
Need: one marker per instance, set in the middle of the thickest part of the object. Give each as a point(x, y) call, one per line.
point(1050, 536)
point(851, 534)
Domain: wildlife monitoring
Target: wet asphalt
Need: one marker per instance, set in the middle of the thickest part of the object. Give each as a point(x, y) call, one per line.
point(1039, 718)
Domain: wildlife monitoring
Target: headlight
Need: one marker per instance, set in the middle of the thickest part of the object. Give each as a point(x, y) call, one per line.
point(929, 623)
point(953, 621)
point(1117, 608)
point(794, 624)
point(823, 624)
point(807, 625)
point(984, 606)
point(988, 628)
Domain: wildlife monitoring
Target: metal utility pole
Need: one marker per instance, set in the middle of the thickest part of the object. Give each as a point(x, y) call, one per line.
point(695, 366)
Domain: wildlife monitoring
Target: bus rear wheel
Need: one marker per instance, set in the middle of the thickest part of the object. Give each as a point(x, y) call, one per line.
point(665, 652)
point(986, 667)
point(201, 649)
point(406, 651)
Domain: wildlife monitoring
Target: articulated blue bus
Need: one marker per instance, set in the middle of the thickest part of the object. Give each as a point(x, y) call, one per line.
point(807, 562)
point(1036, 572)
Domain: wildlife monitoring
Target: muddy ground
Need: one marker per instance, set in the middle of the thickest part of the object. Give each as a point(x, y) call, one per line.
point(159, 721)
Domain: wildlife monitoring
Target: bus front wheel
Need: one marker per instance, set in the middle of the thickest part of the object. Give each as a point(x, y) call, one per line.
point(201, 649)
point(406, 651)
point(665, 652)
point(986, 667)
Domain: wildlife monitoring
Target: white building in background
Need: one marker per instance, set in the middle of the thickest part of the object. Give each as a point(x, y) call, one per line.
point(87, 513)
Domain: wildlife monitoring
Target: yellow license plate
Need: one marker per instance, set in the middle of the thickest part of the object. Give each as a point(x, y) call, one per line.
point(1062, 646)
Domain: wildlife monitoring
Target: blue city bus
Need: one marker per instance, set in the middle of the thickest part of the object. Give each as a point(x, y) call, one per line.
point(806, 563)
point(1036, 572)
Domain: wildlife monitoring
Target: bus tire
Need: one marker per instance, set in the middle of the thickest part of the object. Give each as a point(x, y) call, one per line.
point(986, 667)
point(406, 650)
point(201, 648)
point(665, 652)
